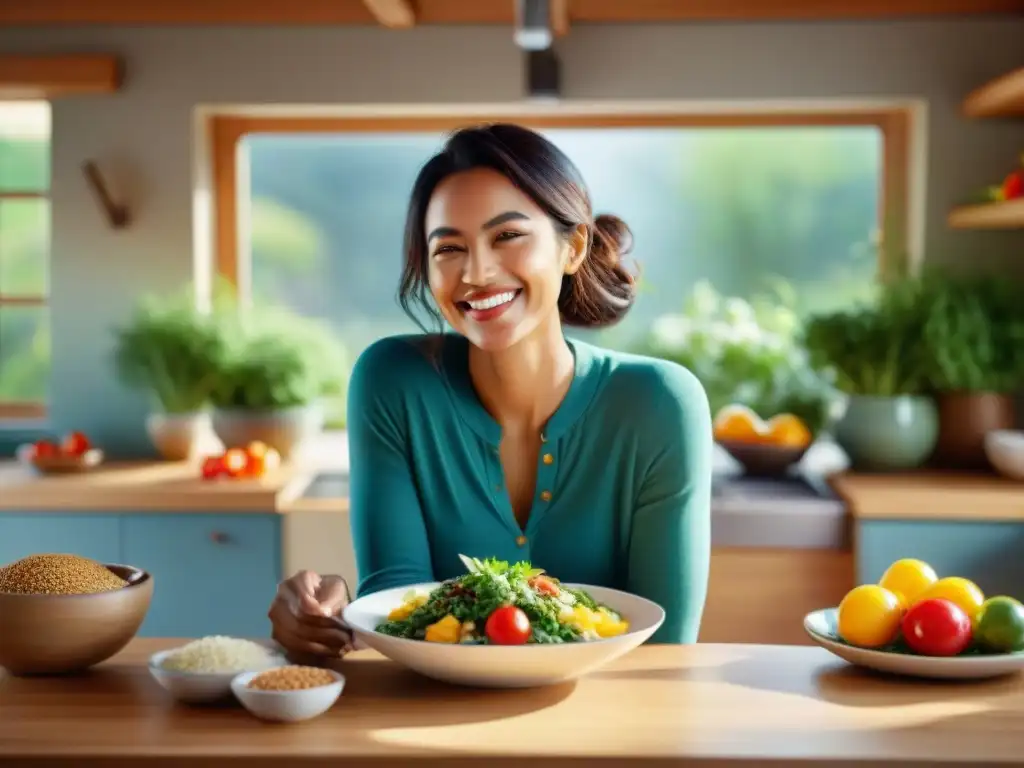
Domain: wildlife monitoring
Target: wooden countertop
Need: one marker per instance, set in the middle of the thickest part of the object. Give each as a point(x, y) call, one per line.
point(152, 486)
point(701, 705)
point(931, 496)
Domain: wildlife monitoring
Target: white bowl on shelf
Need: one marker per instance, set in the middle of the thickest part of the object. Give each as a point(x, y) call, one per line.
point(202, 687)
point(1005, 450)
point(504, 666)
point(287, 706)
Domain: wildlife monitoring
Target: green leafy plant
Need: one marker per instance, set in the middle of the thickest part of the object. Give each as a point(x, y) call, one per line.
point(745, 352)
point(874, 349)
point(173, 350)
point(276, 359)
point(974, 332)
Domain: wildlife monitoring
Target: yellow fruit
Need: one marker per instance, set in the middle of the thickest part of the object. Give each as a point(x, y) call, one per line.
point(737, 423)
point(787, 431)
point(963, 592)
point(869, 616)
point(908, 578)
point(447, 630)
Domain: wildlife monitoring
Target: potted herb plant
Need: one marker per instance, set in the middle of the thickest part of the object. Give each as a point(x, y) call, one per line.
point(173, 351)
point(278, 371)
point(876, 353)
point(975, 339)
point(745, 353)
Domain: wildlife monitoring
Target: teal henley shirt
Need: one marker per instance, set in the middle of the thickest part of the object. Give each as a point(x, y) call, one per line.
point(623, 492)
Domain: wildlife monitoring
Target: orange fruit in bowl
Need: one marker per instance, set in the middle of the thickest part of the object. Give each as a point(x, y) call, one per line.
point(869, 616)
point(787, 431)
point(908, 578)
point(962, 592)
point(739, 424)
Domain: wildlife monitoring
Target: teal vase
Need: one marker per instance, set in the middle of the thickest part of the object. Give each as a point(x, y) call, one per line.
point(888, 433)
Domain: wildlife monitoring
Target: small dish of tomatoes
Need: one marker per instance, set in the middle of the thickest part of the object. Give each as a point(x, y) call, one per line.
point(74, 452)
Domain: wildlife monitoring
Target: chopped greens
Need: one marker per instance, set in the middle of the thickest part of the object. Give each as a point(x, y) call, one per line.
point(457, 611)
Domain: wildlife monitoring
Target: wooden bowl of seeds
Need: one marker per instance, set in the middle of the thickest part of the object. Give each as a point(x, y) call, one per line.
point(62, 613)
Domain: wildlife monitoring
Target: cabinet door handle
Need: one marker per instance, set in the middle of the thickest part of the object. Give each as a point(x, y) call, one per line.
point(219, 537)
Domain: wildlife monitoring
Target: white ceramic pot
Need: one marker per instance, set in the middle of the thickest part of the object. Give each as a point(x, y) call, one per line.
point(288, 430)
point(182, 436)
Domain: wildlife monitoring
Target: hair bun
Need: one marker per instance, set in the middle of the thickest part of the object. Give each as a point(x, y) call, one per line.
point(617, 237)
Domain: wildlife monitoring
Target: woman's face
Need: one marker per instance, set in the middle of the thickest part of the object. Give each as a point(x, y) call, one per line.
point(494, 259)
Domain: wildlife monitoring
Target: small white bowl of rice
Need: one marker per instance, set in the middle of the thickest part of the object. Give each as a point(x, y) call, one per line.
point(201, 671)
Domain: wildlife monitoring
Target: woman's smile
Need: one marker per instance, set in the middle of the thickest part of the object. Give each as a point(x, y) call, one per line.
point(483, 306)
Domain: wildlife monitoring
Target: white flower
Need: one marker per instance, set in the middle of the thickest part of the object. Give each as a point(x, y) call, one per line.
point(738, 310)
point(703, 301)
point(672, 331)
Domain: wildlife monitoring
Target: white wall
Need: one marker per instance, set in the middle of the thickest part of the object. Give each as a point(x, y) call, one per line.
point(142, 136)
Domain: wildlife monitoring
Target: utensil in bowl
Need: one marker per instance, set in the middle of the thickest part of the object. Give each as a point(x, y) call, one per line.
point(61, 463)
point(202, 687)
point(287, 706)
point(503, 666)
point(55, 634)
point(762, 460)
point(1005, 451)
point(821, 625)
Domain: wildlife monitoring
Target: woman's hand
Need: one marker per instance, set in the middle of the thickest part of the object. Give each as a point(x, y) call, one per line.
point(306, 615)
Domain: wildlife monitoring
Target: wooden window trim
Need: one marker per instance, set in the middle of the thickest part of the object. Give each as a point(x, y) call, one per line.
point(15, 410)
point(896, 124)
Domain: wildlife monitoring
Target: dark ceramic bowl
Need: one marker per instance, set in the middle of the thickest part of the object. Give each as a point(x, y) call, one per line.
point(763, 460)
point(56, 634)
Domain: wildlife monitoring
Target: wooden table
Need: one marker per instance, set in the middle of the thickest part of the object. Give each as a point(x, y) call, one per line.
point(702, 705)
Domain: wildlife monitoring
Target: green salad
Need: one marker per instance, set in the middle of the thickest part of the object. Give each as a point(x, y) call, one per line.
point(497, 603)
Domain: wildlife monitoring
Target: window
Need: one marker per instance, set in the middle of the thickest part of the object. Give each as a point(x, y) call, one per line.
point(24, 258)
point(744, 203)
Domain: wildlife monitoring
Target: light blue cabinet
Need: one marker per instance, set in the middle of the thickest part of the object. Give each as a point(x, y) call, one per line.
point(87, 535)
point(989, 553)
point(213, 573)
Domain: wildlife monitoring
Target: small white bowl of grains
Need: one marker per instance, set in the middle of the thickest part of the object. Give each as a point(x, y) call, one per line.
point(201, 671)
point(290, 693)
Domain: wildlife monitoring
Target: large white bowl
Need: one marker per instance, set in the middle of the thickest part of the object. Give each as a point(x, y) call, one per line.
point(1005, 450)
point(287, 706)
point(497, 666)
point(821, 628)
point(202, 687)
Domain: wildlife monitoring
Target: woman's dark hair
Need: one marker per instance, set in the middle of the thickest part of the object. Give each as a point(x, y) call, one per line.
point(599, 293)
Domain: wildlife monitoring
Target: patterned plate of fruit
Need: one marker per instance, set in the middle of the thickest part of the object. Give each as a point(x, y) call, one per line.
point(914, 623)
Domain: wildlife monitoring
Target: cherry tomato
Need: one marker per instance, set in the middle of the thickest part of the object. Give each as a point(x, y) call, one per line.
point(44, 449)
point(213, 467)
point(545, 586)
point(508, 625)
point(235, 461)
point(75, 444)
point(937, 627)
point(260, 459)
point(1013, 185)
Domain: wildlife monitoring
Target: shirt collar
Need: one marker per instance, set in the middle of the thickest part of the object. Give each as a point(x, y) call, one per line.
point(585, 382)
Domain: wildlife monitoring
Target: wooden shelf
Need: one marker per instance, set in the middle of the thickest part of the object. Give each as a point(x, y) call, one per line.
point(46, 77)
point(1009, 215)
point(1002, 97)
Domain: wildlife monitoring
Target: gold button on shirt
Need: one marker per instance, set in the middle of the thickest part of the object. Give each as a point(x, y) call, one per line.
point(549, 459)
point(545, 495)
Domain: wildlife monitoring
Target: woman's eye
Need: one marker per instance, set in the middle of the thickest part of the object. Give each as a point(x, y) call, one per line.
point(509, 235)
point(443, 250)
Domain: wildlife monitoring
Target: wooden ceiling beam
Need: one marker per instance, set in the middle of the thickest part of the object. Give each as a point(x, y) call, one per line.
point(394, 14)
point(398, 12)
point(48, 77)
point(560, 17)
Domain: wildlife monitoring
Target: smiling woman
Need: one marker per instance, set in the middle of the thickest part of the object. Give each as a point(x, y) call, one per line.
point(505, 438)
